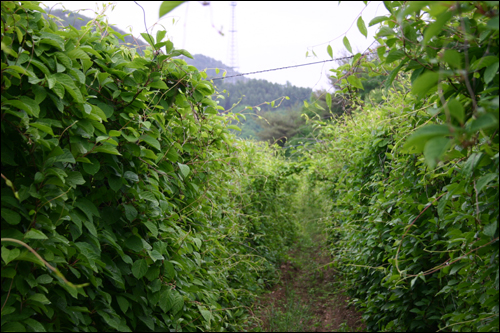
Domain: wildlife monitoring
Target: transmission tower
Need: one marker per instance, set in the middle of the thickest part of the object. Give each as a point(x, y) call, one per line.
point(232, 49)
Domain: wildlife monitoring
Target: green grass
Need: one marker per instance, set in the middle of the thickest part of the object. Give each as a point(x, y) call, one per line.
point(290, 316)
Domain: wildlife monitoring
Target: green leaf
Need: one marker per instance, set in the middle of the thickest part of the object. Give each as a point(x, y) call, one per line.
point(139, 268)
point(10, 216)
point(160, 34)
point(490, 72)
point(134, 243)
point(456, 110)
point(147, 196)
point(347, 44)
point(151, 141)
point(393, 75)
point(177, 303)
point(158, 85)
point(148, 38)
point(437, 26)
point(394, 55)
point(87, 207)
point(362, 27)
point(131, 176)
point(355, 81)
point(25, 103)
point(453, 58)
point(115, 183)
point(122, 303)
point(39, 298)
point(424, 83)
point(130, 212)
point(78, 53)
point(74, 178)
point(167, 6)
point(483, 62)
point(43, 128)
point(107, 149)
point(234, 127)
point(377, 19)
point(70, 86)
point(35, 234)
point(37, 326)
point(330, 51)
point(166, 300)
point(486, 120)
point(434, 149)
point(490, 229)
point(184, 169)
point(9, 255)
point(92, 168)
point(328, 99)
point(483, 181)
point(422, 135)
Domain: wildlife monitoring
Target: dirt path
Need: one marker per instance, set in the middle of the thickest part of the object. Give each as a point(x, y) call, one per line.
point(309, 297)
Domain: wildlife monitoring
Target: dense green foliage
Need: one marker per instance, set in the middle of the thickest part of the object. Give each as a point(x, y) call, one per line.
point(126, 202)
point(413, 181)
point(66, 18)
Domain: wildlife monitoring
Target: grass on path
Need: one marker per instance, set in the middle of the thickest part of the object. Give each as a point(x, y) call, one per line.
point(309, 297)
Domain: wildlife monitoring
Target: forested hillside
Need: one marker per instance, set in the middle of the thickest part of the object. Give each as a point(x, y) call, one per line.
point(128, 203)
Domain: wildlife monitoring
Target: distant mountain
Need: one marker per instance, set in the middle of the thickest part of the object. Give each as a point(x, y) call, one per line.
point(78, 21)
point(211, 66)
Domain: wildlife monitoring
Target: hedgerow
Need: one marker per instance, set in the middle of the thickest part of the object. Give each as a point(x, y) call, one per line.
point(413, 181)
point(126, 202)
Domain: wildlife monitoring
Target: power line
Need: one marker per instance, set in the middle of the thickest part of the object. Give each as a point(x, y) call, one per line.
point(287, 67)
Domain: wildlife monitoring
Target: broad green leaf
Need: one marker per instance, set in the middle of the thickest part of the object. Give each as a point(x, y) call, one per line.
point(134, 243)
point(437, 26)
point(456, 110)
point(148, 38)
point(78, 53)
point(347, 44)
point(151, 141)
point(483, 62)
point(434, 149)
point(115, 183)
point(424, 83)
point(184, 169)
point(377, 19)
point(139, 268)
point(123, 303)
point(453, 58)
point(130, 212)
point(131, 176)
point(36, 325)
point(355, 81)
point(234, 127)
point(484, 180)
point(328, 99)
point(362, 27)
point(25, 103)
point(167, 6)
point(147, 196)
point(74, 179)
point(484, 121)
point(92, 168)
point(490, 72)
point(330, 51)
point(35, 234)
point(39, 298)
point(160, 34)
point(177, 303)
point(422, 135)
point(9, 255)
point(87, 207)
point(107, 149)
point(10, 216)
point(394, 55)
point(166, 300)
point(490, 229)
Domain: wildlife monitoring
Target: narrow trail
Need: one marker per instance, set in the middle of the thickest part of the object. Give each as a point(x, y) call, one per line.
point(309, 296)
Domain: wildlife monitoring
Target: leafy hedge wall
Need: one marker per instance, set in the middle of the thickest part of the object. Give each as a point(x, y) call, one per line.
point(413, 182)
point(124, 200)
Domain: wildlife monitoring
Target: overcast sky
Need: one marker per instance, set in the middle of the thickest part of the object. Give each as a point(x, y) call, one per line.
point(269, 34)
